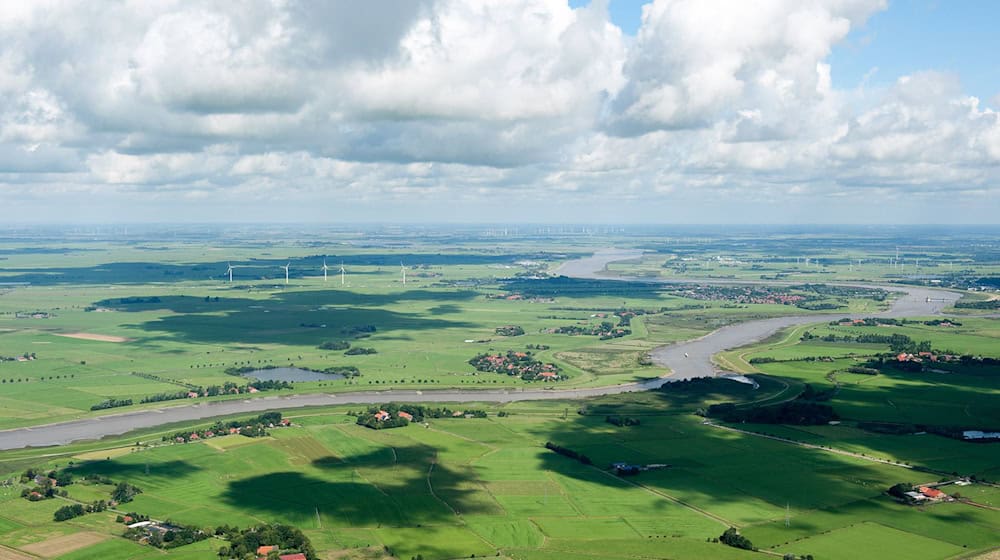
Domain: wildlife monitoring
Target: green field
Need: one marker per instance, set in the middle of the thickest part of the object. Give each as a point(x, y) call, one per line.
point(485, 486)
point(159, 316)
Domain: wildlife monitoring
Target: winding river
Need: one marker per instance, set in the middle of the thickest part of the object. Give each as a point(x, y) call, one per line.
point(686, 360)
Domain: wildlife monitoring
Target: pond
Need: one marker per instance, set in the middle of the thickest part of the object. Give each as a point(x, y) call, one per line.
point(291, 374)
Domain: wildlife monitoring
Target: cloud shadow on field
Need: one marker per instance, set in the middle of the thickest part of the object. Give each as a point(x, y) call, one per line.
point(398, 487)
point(119, 471)
point(300, 318)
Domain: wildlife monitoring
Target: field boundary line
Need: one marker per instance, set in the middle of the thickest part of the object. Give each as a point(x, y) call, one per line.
point(812, 446)
point(670, 498)
point(430, 487)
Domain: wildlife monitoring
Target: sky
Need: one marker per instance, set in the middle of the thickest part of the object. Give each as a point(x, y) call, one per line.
point(500, 111)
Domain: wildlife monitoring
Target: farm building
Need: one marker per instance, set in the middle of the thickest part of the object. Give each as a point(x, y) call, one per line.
point(979, 434)
point(932, 493)
point(405, 415)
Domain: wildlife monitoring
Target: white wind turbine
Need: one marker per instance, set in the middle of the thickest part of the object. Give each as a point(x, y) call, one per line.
point(325, 268)
point(286, 270)
point(403, 270)
point(229, 271)
point(343, 273)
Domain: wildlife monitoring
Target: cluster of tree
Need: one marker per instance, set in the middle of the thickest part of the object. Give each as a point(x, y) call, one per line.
point(566, 452)
point(359, 331)
point(897, 342)
point(76, 510)
point(215, 390)
point(509, 330)
point(111, 403)
point(863, 370)
point(899, 491)
point(829, 290)
point(25, 356)
point(210, 299)
point(244, 543)
point(359, 351)
point(939, 322)
point(769, 360)
point(694, 385)
point(134, 300)
point(809, 393)
point(372, 419)
point(68, 512)
point(605, 330)
point(562, 286)
point(168, 535)
point(893, 428)
point(818, 305)
point(419, 413)
point(732, 537)
point(125, 492)
point(131, 517)
point(866, 322)
point(537, 347)
point(335, 345)
point(797, 412)
point(622, 420)
point(987, 304)
point(522, 364)
point(346, 371)
point(251, 427)
point(625, 316)
point(242, 370)
point(46, 484)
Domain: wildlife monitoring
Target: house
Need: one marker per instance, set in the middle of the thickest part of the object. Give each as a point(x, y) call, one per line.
point(234, 430)
point(192, 395)
point(406, 415)
point(932, 493)
point(296, 556)
point(194, 436)
point(253, 390)
point(626, 469)
point(917, 496)
point(979, 434)
point(382, 416)
point(548, 375)
point(286, 422)
point(43, 480)
point(264, 550)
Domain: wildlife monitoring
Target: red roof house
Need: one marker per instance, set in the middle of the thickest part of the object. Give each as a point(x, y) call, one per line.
point(932, 493)
point(263, 550)
point(406, 415)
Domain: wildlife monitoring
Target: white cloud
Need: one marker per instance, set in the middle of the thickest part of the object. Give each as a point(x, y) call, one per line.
point(449, 102)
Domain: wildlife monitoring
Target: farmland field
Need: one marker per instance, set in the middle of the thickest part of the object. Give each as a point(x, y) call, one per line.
point(99, 326)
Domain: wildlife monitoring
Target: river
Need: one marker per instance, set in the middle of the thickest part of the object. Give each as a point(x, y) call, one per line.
point(685, 360)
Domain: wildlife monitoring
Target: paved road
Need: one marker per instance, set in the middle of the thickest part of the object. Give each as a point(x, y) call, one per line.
point(686, 360)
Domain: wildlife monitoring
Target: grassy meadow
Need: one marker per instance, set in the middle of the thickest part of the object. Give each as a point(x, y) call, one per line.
point(157, 314)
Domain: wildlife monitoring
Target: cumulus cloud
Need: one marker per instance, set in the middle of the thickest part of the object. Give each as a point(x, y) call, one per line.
point(462, 102)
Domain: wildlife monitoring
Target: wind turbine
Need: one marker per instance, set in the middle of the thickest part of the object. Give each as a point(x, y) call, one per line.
point(325, 268)
point(229, 271)
point(403, 270)
point(286, 270)
point(342, 273)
